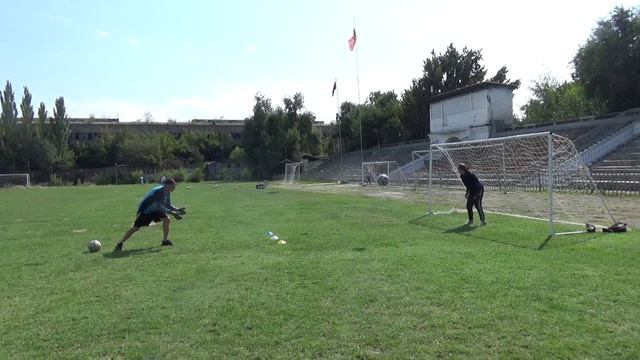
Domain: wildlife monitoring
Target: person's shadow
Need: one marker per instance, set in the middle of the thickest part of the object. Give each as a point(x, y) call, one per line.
point(132, 252)
point(460, 229)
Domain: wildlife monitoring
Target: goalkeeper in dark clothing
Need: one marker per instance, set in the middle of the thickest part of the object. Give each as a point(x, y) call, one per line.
point(474, 194)
point(155, 206)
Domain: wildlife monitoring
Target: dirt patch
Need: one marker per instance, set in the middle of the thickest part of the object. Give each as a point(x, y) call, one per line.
point(624, 209)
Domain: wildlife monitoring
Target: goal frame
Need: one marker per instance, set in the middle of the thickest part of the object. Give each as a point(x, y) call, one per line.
point(392, 170)
point(550, 185)
point(27, 178)
point(291, 172)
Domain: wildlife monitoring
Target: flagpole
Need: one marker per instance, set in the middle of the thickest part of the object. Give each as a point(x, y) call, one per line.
point(339, 123)
point(359, 117)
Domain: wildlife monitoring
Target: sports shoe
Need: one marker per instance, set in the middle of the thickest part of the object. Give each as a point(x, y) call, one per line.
point(167, 243)
point(482, 223)
point(469, 223)
point(118, 248)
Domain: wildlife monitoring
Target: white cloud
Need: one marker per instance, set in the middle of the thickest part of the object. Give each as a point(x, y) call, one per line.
point(133, 40)
point(103, 34)
point(251, 49)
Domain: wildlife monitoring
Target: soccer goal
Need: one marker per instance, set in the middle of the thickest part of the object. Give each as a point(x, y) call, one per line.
point(291, 172)
point(15, 180)
point(383, 173)
point(539, 176)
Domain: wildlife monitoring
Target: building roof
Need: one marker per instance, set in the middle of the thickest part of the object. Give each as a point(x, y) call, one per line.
point(471, 88)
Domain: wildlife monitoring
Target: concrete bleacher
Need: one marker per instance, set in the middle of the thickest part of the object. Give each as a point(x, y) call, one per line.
point(617, 171)
point(350, 167)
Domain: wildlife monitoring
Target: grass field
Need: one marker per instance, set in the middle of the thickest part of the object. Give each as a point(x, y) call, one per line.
point(360, 277)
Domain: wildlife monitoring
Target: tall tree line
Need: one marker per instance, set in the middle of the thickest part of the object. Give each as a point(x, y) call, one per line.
point(42, 145)
point(606, 76)
point(30, 145)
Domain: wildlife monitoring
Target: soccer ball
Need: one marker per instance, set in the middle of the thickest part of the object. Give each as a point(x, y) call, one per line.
point(94, 246)
point(383, 180)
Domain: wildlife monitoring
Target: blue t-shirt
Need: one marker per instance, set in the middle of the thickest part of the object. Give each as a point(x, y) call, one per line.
point(156, 200)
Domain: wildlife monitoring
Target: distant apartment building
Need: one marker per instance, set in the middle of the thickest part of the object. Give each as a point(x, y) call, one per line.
point(90, 129)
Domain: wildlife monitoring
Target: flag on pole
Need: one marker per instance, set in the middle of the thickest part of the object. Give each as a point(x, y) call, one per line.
point(335, 86)
point(352, 40)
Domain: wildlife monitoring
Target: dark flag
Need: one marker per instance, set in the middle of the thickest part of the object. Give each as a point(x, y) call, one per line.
point(335, 86)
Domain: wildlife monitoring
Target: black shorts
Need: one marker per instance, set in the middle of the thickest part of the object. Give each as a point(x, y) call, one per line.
point(146, 219)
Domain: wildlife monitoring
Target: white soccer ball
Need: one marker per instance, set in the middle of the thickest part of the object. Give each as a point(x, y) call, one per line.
point(94, 246)
point(383, 180)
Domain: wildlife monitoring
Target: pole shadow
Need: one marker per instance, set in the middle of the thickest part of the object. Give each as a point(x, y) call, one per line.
point(468, 231)
point(548, 242)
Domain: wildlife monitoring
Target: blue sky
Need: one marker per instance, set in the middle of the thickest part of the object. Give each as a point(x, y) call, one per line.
point(207, 59)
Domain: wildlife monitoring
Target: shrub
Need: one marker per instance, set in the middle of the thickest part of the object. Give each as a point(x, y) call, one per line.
point(226, 174)
point(105, 179)
point(135, 174)
point(178, 175)
point(55, 180)
point(197, 175)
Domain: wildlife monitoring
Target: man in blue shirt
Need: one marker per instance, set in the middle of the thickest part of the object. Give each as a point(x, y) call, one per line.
point(155, 206)
point(474, 193)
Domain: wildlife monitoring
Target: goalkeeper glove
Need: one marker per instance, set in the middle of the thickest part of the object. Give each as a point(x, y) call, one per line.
point(181, 211)
point(176, 215)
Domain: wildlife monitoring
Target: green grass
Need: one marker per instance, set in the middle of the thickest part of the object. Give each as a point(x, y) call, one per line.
point(359, 278)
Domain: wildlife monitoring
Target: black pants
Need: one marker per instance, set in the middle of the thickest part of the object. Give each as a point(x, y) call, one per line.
point(475, 199)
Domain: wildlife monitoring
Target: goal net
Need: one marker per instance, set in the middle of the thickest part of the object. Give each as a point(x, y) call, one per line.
point(383, 173)
point(15, 180)
point(539, 176)
point(291, 172)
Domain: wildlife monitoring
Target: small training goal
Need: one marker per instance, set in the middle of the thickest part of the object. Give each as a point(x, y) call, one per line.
point(292, 172)
point(15, 180)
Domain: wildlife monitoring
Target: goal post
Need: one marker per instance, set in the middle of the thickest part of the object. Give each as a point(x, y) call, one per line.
point(538, 175)
point(373, 170)
point(15, 180)
point(291, 172)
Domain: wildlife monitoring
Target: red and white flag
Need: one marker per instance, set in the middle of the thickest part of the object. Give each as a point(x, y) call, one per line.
point(352, 40)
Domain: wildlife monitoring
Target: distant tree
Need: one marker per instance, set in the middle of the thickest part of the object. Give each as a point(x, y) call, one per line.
point(60, 132)
point(8, 129)
point(381, 119)
point(59, 124)
point(442, 73)
point(238, 155)
point(555, 101)
point(188, 148)
point(27, 135)
point(148, 117)
point(41, 129)
point(501, 77)
point(607, 65)
point(348, 121)
point(9, 114)
point(273, 135)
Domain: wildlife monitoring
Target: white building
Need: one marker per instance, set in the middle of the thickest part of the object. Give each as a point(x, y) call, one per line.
point(471, 113)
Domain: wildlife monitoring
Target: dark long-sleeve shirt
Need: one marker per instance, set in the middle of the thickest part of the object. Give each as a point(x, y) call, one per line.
point(471, 182)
